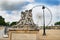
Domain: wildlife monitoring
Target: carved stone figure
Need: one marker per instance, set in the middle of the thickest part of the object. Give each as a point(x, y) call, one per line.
point(26, 20)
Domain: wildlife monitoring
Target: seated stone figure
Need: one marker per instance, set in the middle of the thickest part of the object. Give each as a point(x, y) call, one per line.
point(26, 20)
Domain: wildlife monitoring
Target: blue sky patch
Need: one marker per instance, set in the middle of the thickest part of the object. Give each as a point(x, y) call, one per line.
point(49, 2)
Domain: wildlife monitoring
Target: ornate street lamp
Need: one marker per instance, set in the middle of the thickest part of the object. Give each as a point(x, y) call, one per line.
point(43, 7)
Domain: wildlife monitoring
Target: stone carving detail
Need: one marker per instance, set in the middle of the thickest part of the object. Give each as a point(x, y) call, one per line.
point(26, 19)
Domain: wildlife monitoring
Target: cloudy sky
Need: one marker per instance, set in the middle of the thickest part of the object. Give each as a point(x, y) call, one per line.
point(11, 9)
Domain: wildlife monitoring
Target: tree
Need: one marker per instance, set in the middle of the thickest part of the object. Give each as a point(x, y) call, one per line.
point(13, 23)
point(7, 23)
point(57, 23)
point(2, 21)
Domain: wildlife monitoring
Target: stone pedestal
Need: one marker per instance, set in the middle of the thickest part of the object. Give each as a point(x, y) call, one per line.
point(23, 34)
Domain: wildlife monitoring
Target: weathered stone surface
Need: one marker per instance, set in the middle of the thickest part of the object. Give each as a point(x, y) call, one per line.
point(23, 35)
point(26, 19)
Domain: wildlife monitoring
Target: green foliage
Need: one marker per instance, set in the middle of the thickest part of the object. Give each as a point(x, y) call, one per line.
point(2, 21)
point(13, 23)
point(7, 24)
point(57, 23)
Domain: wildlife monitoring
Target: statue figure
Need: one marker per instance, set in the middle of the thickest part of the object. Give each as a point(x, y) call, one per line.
point(26, 19)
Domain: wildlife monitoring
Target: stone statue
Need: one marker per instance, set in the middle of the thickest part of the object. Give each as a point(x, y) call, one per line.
point(26, 19)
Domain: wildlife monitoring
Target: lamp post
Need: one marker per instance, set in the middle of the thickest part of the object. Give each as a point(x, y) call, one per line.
point(43, 7)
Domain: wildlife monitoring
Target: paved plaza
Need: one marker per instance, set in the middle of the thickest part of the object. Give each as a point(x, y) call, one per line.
point(50, 35)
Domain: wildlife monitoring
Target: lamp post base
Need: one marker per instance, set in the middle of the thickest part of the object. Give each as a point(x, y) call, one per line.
point(44, 34)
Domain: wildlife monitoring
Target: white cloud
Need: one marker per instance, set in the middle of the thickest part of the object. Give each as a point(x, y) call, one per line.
point(16, 1)
point(12, 4)
point(54, 9)
point(10, 17)
point(31, 0)
point(16, 16)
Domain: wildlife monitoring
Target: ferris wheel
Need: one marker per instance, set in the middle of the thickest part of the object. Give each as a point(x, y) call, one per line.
point(41, 15)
